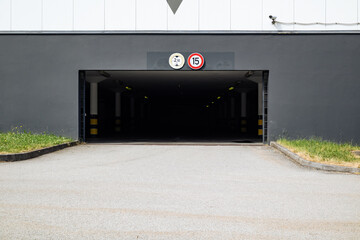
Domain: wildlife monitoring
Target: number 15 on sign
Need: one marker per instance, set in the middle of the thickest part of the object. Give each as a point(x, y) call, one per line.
point(196, 61)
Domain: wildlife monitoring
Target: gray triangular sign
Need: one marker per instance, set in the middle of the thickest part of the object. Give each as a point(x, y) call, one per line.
point(174, 4)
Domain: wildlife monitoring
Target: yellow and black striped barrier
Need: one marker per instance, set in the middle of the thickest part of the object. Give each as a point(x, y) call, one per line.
point(243, 127)
point(117, 125)
point(94, 125)
point(260, 125)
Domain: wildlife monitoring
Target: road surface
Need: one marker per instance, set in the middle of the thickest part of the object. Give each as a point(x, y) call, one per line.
point(110, 191)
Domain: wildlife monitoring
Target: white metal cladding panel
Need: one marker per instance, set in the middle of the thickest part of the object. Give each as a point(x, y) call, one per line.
point(283, 9)
point(215, 14)
point(341, 11)
point(120, 14)
point(186, 17)
point(35, 15)
point(5, 9)
point(58, 15)
point(89, 15)
point(151, 15)
point(246, 15)
point(26, 15)
point(307, 11)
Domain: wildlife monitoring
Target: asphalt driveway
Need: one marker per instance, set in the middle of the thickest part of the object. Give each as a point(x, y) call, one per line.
point(174, 192)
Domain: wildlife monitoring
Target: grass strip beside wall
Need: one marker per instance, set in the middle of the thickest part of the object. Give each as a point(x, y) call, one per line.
point(319, 150)
point(19, 142)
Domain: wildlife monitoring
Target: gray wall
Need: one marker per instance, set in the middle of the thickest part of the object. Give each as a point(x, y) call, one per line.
point(313, 82)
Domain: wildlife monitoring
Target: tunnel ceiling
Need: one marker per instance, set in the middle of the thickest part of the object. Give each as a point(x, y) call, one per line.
point(173, 83)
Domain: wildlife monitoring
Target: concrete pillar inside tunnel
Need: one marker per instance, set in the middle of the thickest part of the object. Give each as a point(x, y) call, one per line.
point(117, 111)
point(132, 111)
point(232, 107)
point(132, 107)
point(243, 112)
point(94, 123)
point(142, 110)
point(93, 108)
point(260, 109)
point(225, 110)
point(232, 121)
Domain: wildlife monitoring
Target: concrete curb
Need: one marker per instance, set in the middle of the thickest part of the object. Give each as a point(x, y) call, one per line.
point(320, 166)
point(27, 155)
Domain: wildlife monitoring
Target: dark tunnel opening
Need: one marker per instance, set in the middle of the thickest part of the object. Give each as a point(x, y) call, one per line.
point(172, 106)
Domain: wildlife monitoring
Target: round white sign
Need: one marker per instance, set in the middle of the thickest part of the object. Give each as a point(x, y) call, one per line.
point(196, 61)
point(176, 61)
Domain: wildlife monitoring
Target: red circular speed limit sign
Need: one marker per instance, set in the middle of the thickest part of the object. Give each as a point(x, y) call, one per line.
point(196, 61)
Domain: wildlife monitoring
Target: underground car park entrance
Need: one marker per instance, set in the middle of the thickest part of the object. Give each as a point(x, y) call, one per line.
point(47, 83)
point(173, 106)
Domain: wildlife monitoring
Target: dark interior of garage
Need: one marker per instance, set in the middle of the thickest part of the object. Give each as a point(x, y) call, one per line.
point(171, 106)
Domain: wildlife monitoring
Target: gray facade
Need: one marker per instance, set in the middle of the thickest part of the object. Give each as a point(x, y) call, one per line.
point(313, 78)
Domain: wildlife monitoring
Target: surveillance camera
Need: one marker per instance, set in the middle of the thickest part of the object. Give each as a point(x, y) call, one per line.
point(272, 17)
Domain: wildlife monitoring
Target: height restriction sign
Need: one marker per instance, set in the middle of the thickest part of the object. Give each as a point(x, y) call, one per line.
point(196, 61)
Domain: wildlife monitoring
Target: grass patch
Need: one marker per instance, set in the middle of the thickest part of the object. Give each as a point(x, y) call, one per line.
point(18, 142)
point(318, 150)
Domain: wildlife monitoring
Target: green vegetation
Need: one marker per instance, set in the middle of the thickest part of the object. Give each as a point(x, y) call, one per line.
point(18, 141)
point(318, 150)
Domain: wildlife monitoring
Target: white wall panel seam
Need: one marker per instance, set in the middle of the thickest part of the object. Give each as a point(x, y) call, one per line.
point(74, 14)
point(104, 15)
point(262, 15)
point(10, 15)
point(230, 15)
point(294, 12)
point(135, 15)
point(325, 14)
point(199, 15)
point(42, 15)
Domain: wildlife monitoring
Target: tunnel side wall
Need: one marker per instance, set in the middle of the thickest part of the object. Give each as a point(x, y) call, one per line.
point(313, 78)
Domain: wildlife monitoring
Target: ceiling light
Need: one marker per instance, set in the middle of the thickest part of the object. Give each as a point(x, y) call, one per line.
point(105, 74)
point(249, 74)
